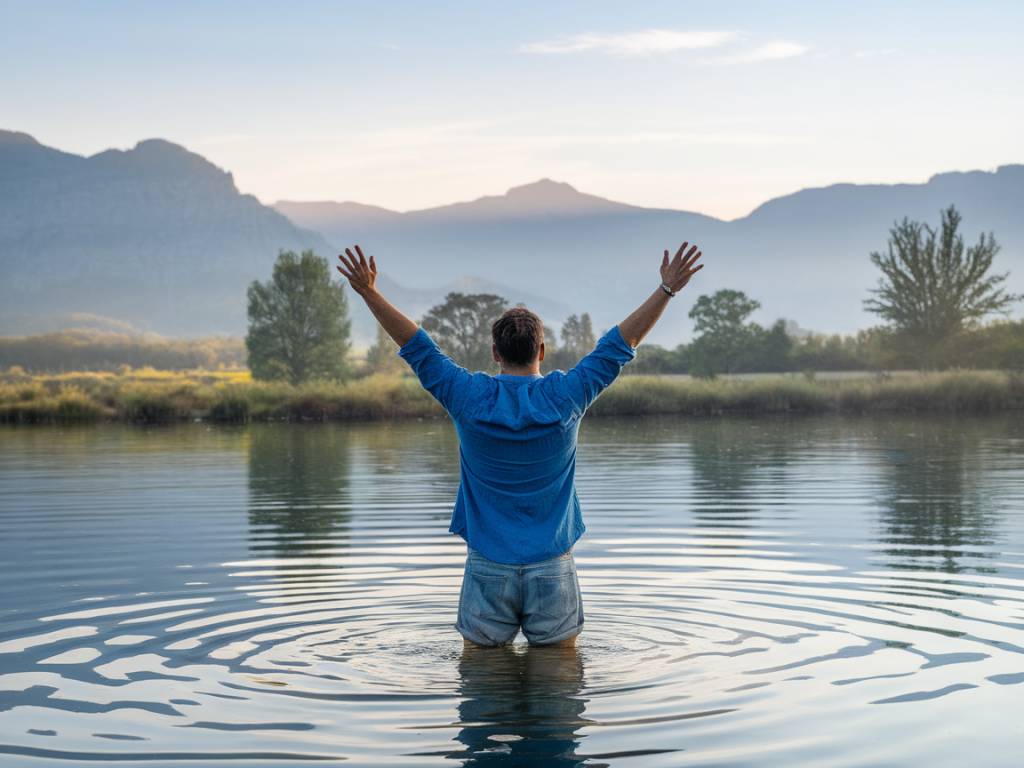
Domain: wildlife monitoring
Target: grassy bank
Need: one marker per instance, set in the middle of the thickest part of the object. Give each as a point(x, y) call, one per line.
point(149, 396)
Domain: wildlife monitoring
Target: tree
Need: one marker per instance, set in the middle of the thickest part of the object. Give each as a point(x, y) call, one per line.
point(723, 337)
point(767, 349)
point(462, 327)
point(383, 357)
point(552, 353)
point(298, 322)
point(931, 288)
point(577, 338)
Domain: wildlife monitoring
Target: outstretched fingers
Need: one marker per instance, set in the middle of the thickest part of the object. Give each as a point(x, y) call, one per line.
point(691, 258)
point(356, 268)
point(362, 259)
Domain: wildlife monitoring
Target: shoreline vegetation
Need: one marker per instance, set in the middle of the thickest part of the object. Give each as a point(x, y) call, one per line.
point(148, 396)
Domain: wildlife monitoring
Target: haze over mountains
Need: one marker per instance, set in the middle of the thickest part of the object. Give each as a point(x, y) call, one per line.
point(158, 237)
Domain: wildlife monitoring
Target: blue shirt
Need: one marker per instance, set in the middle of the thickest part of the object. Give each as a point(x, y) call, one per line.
point(517, 499)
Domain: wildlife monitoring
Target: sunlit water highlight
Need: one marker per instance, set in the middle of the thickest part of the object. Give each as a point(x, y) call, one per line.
point(773, 592)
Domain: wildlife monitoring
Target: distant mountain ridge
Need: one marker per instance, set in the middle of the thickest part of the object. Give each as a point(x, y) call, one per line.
point(151, 235)
point(154, 236)
point(161, 238)
point(803, 255)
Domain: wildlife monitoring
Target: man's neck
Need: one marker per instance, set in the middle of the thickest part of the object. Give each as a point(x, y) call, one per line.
point(532, 371)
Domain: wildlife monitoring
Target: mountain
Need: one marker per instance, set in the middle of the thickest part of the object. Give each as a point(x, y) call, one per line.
point(158, 237)
point(154, 235)
point(804, 256)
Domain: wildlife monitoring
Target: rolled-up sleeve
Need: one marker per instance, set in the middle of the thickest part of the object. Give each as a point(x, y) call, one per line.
point(591, 375)
point(441, 376)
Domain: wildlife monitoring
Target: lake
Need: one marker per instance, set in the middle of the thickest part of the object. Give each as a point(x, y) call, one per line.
point(817, 591)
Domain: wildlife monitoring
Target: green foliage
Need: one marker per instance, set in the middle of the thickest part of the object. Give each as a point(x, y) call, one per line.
point(724, 336)
point(767, 349)
point(577, 337)
point(552, 352)
point(34, 404)
point(461, 326)
point(383, 357)
point(298, 322)
point(230, 405)
point(655, 359)
point(78, 349)
point(389, 397)
point(931, 288)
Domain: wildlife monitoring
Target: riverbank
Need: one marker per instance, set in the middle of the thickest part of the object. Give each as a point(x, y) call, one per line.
point(162, 397)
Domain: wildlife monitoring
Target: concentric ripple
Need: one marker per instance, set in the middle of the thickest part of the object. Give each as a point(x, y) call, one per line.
point(810, 592)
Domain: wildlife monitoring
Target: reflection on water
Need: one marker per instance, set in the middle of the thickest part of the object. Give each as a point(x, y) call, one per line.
point(785, 592)
point(934, 507)
point(298, 489)
point(521, 703)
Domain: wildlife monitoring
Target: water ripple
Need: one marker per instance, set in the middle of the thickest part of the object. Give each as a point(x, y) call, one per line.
point(752, 591)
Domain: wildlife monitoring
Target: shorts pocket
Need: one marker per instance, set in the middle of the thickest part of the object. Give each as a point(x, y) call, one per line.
point(485, 595)
point(554, 597)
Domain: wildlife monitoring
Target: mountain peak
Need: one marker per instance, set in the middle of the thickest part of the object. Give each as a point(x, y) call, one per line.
point(544, 187)
point(542, 198)
point(159, 158)
point(160, 146)
point(17, 137)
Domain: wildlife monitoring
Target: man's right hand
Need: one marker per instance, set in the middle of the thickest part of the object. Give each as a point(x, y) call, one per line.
point(677, 273)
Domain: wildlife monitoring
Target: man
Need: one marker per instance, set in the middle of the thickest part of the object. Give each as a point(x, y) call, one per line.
point(517, 506)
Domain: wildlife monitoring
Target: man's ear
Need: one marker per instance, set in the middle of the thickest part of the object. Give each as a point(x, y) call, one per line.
point(494, 353)
point(541, 355)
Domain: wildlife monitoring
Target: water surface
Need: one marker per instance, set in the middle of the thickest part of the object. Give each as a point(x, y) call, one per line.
point(773, 592)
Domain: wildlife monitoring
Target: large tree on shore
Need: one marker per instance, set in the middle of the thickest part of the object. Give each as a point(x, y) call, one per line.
point(462, 327)
point(723, 334)
point(932, 287)
point(298, 322)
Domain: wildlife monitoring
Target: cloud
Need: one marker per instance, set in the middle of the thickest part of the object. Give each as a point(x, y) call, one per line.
point(645, 43)
point(773, 51)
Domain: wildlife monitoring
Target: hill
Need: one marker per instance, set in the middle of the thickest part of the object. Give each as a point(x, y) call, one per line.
point(804, 256)
point(159, 238)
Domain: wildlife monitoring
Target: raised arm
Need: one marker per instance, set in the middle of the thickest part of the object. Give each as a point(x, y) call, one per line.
point(362, 276)
point(439, 374)
point(675, 274)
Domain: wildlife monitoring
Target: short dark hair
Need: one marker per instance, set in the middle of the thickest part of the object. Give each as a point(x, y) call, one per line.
point(518, 334)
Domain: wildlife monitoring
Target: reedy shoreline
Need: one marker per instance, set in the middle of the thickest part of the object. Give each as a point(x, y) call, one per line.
point(164, 397)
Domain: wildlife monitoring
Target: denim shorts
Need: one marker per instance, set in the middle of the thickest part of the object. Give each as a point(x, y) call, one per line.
point(497, 599)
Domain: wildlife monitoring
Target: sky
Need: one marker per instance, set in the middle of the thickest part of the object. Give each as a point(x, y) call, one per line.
point(712, 107)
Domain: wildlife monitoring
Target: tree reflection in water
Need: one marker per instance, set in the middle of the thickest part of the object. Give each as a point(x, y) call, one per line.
point(935, 512)
point(299, 500)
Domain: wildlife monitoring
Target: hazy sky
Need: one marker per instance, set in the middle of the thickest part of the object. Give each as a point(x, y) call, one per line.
point(705, 106)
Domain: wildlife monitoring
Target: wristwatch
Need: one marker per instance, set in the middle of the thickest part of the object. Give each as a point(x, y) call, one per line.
point(667, 290)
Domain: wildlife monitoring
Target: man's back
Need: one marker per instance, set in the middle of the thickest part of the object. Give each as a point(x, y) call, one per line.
point(517, 500)
point(517, 507)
